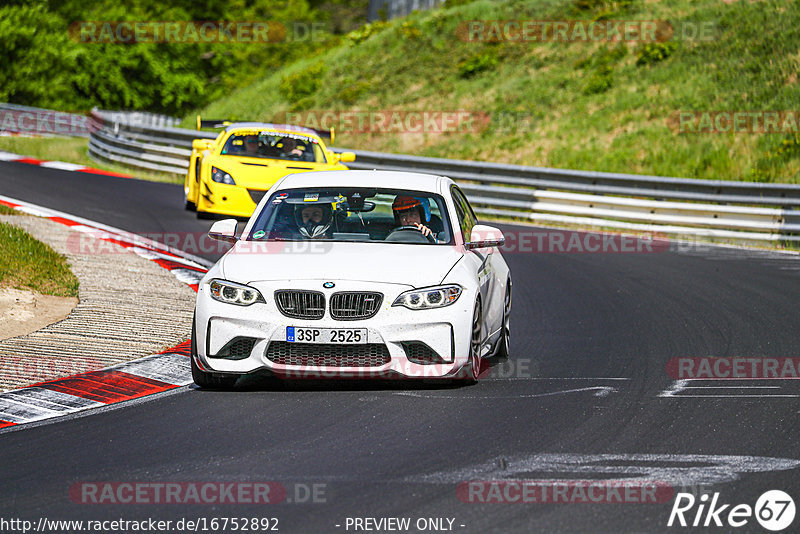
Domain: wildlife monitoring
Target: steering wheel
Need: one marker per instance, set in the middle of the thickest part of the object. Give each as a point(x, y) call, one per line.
point(409, 228)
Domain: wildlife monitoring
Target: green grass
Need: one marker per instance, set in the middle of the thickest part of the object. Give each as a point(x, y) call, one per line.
point(5, 210)
point(594, 106)
point(26, 263)
point(74, 150)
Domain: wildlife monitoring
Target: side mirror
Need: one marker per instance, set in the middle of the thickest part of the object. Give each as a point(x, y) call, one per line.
point(224, 230)
point(483, 236)
point(200, 144)
point(347, 157)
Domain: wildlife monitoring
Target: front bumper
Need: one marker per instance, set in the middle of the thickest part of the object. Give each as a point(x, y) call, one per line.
point(225, 199)
point(445, 331)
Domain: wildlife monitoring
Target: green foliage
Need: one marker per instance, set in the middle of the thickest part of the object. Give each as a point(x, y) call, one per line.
point(38, 58)
point(299, 86)
point(649, 53)
point(48, 63)
point(578, 105)
point(773, 159)
point(604, 9)
point(454, 3)
point(409, 30)
point(599, 81)
point(478, 63)
point(600, 69)
point(352, 91)
point(342, 16)
point(28, 263)
point(366, 31)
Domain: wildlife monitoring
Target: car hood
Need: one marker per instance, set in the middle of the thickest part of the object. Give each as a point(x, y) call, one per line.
point(391, 263)
point(261, 173)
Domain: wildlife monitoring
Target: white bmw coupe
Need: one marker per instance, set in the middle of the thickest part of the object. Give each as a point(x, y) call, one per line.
point(354, 274)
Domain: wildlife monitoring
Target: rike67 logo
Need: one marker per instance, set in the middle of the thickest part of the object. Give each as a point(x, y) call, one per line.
point(774, 510)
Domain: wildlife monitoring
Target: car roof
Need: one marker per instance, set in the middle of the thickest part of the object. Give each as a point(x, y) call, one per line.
point(414, 181)
point(270, 126)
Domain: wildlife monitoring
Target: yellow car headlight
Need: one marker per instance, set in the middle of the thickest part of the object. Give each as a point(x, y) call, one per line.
point(222, 177)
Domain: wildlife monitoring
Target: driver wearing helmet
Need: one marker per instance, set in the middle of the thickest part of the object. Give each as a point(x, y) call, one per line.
point(409, 211)
point(314, 220)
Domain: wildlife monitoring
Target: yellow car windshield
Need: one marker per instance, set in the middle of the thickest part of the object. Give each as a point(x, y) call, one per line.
point(274, 145)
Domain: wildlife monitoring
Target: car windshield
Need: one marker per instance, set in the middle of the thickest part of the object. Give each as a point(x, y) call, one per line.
point(353, 214)
point(274, 145)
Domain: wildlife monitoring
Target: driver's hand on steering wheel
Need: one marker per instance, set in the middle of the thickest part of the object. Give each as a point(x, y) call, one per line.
point(424, 229)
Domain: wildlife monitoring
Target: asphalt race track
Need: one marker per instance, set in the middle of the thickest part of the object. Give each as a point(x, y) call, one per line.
point(586, 395)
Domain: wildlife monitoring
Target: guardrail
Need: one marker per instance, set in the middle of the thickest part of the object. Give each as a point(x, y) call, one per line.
point(706, 208)
point(30, 121)
point(390, 9)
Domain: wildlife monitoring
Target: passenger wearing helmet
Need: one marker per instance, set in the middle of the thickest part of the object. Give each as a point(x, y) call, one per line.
point(314, 220)
point(410, 211)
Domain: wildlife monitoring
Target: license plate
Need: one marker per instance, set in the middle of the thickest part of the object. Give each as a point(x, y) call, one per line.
point(338, 336)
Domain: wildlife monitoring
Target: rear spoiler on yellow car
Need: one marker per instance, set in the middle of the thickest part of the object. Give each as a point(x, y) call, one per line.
point(224, 123)
point(210, 123)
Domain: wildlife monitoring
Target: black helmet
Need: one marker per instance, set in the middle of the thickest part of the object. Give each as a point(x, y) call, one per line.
point(313, 229)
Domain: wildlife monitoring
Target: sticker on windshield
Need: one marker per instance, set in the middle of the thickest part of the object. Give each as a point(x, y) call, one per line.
point(258, 234)
point(311, 197)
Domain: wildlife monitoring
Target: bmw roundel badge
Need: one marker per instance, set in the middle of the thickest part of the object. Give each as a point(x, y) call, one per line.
point(328, 285)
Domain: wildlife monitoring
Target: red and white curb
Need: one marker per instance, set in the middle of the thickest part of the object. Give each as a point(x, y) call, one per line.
point(60, 165)
point(96, 389)
point(131, 380)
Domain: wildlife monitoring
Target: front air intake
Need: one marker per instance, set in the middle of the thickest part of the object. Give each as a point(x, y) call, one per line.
point(322, 355)
point(238, 348)
point(354, 305)
point(301, 304)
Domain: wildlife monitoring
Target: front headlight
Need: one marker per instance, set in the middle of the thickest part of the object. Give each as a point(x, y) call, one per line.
point(222, 177)
point(429, 297)
point(233, 293)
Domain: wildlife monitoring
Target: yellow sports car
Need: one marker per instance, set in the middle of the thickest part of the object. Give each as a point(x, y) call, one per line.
point(230, 174)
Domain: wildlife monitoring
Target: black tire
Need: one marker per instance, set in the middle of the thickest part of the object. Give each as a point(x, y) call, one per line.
point(203, 215)
point(470, 372)
point(504, 343)
point(208, 380)
point(189, 205)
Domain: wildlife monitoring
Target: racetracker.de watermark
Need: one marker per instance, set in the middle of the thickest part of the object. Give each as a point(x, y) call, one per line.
point(46, 122)
point(722, 122)
point(38, 369)
point(516, 369)
point(564, 31)
point(564, 492)
point(90, 242)
point(517, 241)
point(586, 31)
point(391, 121)
point(571, 242)
point(205, 493)
point(195, 32)
point(709, 367)
point(399, 121)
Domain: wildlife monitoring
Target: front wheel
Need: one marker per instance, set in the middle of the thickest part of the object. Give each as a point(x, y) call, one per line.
point(504, 343)
point(188, 204)
point(204, 379)
point(472, 369)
